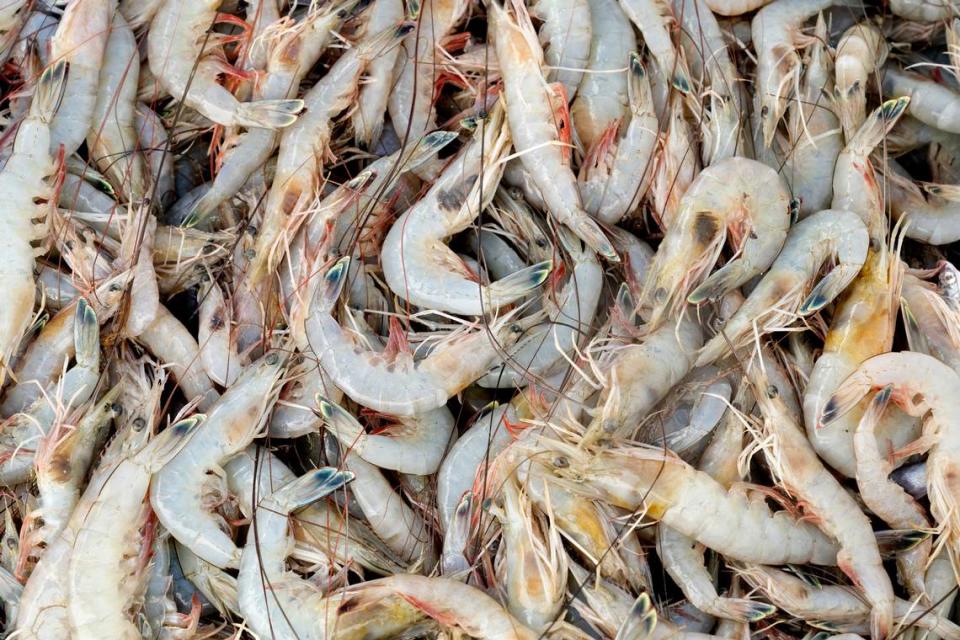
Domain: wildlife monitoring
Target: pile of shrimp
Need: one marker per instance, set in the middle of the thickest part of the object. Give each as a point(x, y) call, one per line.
point(568, 319)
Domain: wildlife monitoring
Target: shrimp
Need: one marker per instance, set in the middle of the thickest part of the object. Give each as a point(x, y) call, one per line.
point(402, 387)
point(218, 353)
point(26, 181)
point(614, 176)
point(782, 293)
point(887, 500)
point(374, 94)
point(417, 264)
point(683, 560)
point(112, 141)
point(775, 29)
point(794, 462)
point(630, 390)
point(602, 96)
point(836, 606)
point(101, 588)
point(930, 102)
point(861, 54)
point(654, 19)
point(924, 10)
point(919, 384)
point(678, 163)
point(181, 491)
point(416, 445)
point(734, 7)
point(216, 585)
point(152, 138)
point(537, 136)
point(80, 43)
point(566, 37)
point(178, 60)
point(410, 105)
point(667, 489)
point(932, 217)
point(738, 196)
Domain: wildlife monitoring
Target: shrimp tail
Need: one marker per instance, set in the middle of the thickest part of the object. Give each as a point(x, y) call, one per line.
point(381, 42)
point(269, 114)
point(638, 90)
point(590, 232)
point(640, 622)
point(343, 425)
point(748, 610)
point(845, 398)
point(86, 335)
point(723, 280)
point(428, 146)
point(331, 287)
point(169, 442)
point(519, 282)
point(46, 100)
point(829, 287)
point(879, 124)
point(309, 488)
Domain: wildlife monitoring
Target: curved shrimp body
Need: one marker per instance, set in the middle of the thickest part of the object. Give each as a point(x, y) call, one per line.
point(793, 460)
point(775, 28)
point(654, 19)
point(410, 104)
point(863, 326)
point(927, 321)
point(305, 146)
point(861, 53)
point(928, 217)
point(888, 500)
point(919, 384)
point(615, 175)
point(696, 505)
point(631, 388)
point(79, 42)
point(783, 291)
point(400, 387)
point(566, 38)
point(112, 140)
point(178, 60)
point(930, 102)
point(180, 490)
point(602, 95)
point(924, 10)
point(738, 196)
point(531, 112)
point(735, 7)
point(417, 264)
point(416, 445)
point(838, 606)
point(101, 577)
point(25, 181)
point(569, 316)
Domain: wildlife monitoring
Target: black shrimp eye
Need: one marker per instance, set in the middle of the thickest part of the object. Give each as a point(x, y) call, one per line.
point(541, 243)
point(561, 462)
point(139, 424)
point(515, 328)
point(764, 111)
point(272, 359)
point(115, 287)
point(772, 391)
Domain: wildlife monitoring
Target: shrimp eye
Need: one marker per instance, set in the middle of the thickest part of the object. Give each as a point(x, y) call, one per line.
point(272, 358)
point(764, 111)
point(139, 424)
point(772, 391)
point(515, 328)
point(660, 294)
point(483, 114)
point(117, 408)
point(250, 254)
point(11, 542)
point(541, 243)
point(115, 287)
point(561, 462)
point(252, 230)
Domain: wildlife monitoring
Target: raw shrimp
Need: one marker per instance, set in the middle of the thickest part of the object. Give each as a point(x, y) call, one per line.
point(783, 291)
point(738, 196)
point(930, 102)
point(861, 54)
point(538, 134)
point(218, 349)
point(602, 96)
point(795, 464)
point(734, 7)
point(615, 175)
point(775, 29)
point(29, 194)
point(415, 445)
point(374, 93)
point(178, 58)
point(678, 163)
point(566, 37)
point(418, 265)
point(101, 576)
point(931, 215)
point(181, 491)
point(401, 387)
point(654, 19)
point(924, 10)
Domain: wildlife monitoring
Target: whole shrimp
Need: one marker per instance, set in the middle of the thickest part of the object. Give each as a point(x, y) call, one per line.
point(417, 264)
point(566, 38)
point(861, 54)
point(531, 112)
point(736, 196)
point(100, 577)
point(233, 421)
point(654, 19)
point(602, 97)
point(794, 462)
point(401, 387)
point(177, 57)
point(26, 181)
point(930, 102)
point(783, 291)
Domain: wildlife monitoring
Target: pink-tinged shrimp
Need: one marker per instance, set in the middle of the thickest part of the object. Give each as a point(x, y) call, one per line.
point(536, 126)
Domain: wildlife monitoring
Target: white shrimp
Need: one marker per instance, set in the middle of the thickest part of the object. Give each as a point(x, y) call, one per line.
point(401, 387)
point(375, 89)
point(178, 59)
point(861, 54)
point(734, 7)
point(654, 19)
point(932, 103)
point(531, 112)
point(233, 422)
point(782, 294)
point(924, 10)
point(566, 37)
